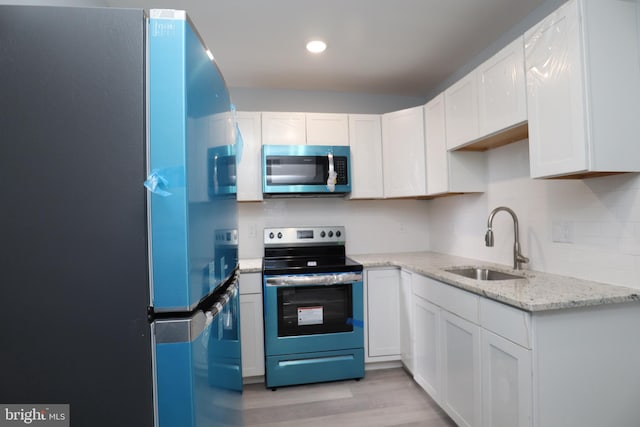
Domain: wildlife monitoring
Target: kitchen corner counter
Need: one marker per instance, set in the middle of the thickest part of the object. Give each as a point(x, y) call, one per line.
point(251, 265)
point(537, 291)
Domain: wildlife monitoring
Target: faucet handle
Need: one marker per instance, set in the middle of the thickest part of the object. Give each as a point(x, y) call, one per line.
point(488, 238)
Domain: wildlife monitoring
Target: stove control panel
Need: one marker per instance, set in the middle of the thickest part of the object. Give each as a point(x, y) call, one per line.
point(304, 235)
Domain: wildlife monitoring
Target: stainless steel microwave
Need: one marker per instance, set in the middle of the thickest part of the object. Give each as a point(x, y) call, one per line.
point(298, 170)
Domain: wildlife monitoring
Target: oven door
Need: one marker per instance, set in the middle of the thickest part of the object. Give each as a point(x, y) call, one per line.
point(313, 313)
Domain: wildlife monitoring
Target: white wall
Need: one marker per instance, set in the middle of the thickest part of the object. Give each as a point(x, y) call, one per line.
point(248, 99)
point(601, 215)
point(372, 226)
point(517, 30)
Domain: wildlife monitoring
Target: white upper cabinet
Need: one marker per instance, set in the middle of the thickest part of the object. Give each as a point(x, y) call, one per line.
point(403, 158)
point(327, 129)
point(365, 140)
point(487, 108)
point(304, 128)
point(249, 174)
point(583, 90)
point(284, 128)
point(449, 172)
point(461, 102)
point(501, 91)
point(436, 146)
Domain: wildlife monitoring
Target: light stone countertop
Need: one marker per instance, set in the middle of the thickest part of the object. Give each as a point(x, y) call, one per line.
point(251, 265)
point(538, 291)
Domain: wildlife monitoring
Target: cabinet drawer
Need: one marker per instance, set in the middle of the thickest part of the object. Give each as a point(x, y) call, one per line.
point(250, 283)
point(459, 302)
point(420, 286)
point(506, 321)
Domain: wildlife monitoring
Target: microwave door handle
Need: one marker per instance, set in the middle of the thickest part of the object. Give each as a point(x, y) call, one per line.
point(215, 174)
point(331, 179)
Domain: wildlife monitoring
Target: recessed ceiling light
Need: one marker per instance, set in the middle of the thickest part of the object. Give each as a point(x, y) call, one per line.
point(316, 46)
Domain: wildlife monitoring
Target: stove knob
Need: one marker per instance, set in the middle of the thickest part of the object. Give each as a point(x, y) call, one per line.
point(322, 234)
point(330, 233)
point(279, 235)
point(271, 236)
point(338, 233)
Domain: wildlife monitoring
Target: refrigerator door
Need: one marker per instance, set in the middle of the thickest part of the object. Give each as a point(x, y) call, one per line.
point(197, 378)
point(74, 285)
point(191, 173)
point(224, 344)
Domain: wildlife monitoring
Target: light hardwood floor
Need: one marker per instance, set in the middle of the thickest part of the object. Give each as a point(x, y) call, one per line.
point(386, 397)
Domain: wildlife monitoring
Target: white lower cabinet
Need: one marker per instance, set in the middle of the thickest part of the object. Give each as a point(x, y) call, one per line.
point(461, 386)
point(251, 324)
point(382, 328)
point(427, 371)
point(472, 355)
point(406, 321)
point(506, 382)
point(493, 365)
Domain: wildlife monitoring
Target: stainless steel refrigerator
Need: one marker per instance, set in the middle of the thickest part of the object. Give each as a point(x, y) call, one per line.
point(118, 219)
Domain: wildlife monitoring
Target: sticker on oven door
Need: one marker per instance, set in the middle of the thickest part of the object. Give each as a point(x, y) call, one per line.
point(310, 316)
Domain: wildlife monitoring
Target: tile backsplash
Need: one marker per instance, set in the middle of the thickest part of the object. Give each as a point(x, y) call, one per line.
point(582, 228)
point(372, 226)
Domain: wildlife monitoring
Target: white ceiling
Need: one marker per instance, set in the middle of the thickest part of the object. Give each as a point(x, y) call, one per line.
point(400, 47)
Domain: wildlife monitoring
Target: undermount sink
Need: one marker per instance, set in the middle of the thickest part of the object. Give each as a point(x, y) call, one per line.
point(483, 273)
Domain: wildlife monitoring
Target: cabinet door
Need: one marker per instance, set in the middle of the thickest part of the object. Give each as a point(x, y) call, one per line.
point(555, 97)
point(249, 173)
point(461, 104)
point(327, 129)
point(365, 140)
point(383, 313)
point(461, 387)
point(449, 171)
point(403, 159)
point(506, 383)
point(283, 128)
point(252, 334)
point(406, 321)
point(427, 364)
point(436, 146)
point(501, 93)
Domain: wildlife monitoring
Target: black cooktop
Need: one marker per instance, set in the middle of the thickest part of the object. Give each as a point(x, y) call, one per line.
point(306, 250)
point(309, 265)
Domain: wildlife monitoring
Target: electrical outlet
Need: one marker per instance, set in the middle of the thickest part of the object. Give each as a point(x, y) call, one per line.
point(253, 231)
point(562, 232)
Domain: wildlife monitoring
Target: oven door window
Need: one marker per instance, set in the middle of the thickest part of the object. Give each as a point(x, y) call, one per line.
point(309, 310)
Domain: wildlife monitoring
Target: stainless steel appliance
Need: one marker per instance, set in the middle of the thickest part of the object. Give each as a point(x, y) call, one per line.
point(313, 307)
point(118, 262)
point(298, 170)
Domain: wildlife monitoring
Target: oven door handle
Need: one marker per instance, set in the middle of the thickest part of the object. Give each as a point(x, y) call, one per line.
point(320, 279)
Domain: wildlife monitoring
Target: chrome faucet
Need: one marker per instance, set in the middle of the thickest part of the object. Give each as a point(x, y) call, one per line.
point(518, 258)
